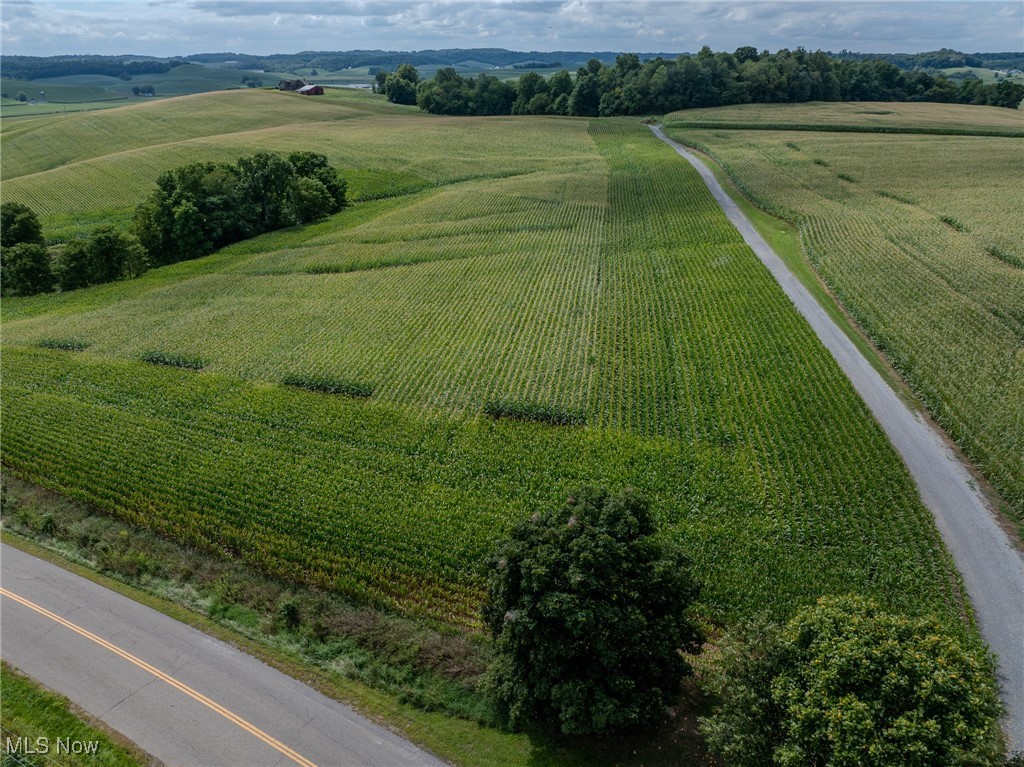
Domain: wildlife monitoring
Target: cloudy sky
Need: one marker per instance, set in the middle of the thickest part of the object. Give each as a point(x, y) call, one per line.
point(176, 27)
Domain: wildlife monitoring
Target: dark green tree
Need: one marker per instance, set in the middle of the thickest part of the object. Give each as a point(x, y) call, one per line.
point(19, 223)
point(844, 683)
point(588, 608)
point(399, 90)
point(316, 166)
point(106, 255)
point(311, 200)
point(26, 270)
point(264, 190)
point(73, 265)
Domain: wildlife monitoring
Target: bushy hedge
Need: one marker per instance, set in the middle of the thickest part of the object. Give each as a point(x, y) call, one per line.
point(529, 411)
point(328, 385)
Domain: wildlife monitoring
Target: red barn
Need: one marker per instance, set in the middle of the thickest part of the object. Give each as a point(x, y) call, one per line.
point(312, 90)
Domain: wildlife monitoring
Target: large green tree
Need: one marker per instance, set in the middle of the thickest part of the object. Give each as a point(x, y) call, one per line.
point(25, 269)
point(19, 223)
point(588, 608)
point(845, 684)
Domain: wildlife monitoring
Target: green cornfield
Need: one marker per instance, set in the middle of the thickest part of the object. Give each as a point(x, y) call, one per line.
point(920, 237)
point(570, 266)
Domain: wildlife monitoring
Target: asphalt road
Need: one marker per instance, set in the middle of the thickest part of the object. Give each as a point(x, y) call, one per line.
point(992, 569)
point(181, 695)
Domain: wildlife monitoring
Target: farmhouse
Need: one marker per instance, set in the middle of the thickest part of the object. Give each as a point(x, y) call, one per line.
point(291, 85)
point(311, 90)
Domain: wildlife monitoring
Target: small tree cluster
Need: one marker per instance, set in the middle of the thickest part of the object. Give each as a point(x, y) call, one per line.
point(26, 267)
point(200, 207)
point(844, 683)
point(588, 608)
point(106, 255)
point(398, 86)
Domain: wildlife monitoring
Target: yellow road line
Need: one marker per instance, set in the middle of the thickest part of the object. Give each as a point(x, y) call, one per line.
point(250, 728)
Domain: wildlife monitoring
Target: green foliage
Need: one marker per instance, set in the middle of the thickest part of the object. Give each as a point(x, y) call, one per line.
point(587, 607)
point(327, 385)
point(25, 270)
point(106, 255)
point(19, 223)
point(200, 207)
point(844, 683)
point(528, 411)
point(63, 344)
point(173, 360)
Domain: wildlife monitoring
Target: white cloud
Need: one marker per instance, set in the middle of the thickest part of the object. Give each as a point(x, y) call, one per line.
point(172, 27)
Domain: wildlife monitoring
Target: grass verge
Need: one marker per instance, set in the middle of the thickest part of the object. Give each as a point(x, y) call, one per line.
point(39, 718)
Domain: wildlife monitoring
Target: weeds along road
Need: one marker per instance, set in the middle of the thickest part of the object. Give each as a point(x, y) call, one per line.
point(992, 569)
point(181, 695)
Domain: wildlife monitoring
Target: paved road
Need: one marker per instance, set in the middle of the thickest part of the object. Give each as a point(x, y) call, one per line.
point(181, 695)
point(992, 569)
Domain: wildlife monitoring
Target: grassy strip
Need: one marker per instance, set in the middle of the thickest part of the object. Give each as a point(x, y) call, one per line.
point(923, 130)
point(31, 712)
point(784, 239)
point(415, 677)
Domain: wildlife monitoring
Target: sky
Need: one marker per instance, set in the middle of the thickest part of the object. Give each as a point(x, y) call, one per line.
point(180, 27)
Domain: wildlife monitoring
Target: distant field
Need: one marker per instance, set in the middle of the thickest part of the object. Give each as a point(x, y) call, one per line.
point(77, 93)
point(563, 263)
point(863, 115)
point(921, 238)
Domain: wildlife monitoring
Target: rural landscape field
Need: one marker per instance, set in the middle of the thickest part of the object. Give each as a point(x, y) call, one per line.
point(530, 282)
point(512, 312)
point(919, 237)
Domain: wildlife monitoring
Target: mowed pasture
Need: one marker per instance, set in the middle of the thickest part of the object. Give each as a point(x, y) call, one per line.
point(559, 263)
point(921, 238)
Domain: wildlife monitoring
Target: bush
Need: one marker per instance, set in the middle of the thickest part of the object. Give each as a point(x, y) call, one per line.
point(588, 611)
point(63, 344)
point(326, 385)
point(26, 270)
point(173, 360)
point(843, 683)
point(528, 411)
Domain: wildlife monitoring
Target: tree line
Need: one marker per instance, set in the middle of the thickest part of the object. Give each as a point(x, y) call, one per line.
point(708, 79)
point(194, 210)
point(35, 67)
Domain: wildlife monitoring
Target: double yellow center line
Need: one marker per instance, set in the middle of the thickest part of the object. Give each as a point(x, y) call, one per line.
point(213, 705)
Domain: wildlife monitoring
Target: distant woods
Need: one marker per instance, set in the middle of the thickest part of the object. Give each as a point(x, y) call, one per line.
point(194, 210)
point(707, 79)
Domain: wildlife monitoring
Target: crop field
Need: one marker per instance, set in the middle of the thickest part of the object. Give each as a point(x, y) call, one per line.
point(867, 116)
point(921, 238)
point(551, 265)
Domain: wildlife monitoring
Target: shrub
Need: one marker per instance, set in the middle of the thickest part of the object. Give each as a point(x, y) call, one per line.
point(173, 360)
point(326, 385)
point(63, 344)
point(527, 411)
point(843, 683)
point(587, 607)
